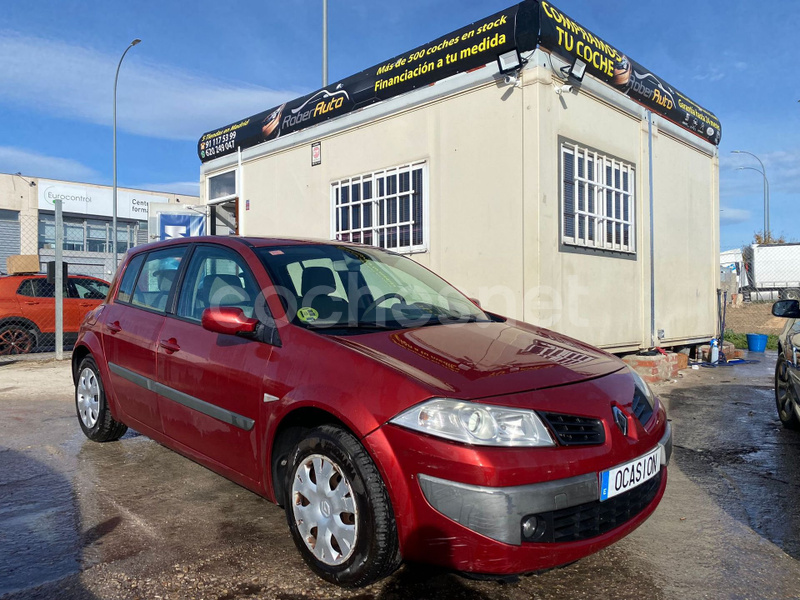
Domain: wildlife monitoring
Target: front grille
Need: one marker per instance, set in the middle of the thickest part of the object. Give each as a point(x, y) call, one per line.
point(641, 407)
point(589, 520)
point(575, 431)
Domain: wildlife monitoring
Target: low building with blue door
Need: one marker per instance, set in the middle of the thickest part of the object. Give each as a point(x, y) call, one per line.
point(27, 220)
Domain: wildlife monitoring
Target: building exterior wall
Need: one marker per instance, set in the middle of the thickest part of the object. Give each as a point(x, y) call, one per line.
point(474, 197)
point(493, 156)
point(21, 199)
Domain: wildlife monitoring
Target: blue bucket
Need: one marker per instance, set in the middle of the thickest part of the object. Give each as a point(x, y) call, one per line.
point(756, 342)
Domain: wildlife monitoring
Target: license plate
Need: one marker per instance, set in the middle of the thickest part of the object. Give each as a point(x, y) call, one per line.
point(626, 477)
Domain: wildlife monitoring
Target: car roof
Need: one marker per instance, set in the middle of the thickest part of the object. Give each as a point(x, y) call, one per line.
point(18, 276)
point(250, 241)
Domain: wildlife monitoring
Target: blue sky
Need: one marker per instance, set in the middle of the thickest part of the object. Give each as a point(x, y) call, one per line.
point(205, 64)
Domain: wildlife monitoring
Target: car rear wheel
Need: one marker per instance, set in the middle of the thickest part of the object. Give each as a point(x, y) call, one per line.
point(16, 339)
point(94, 415)
point(785, 397)
point(338, 509)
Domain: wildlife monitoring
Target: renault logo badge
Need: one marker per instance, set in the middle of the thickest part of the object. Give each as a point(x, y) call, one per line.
point(620, 419)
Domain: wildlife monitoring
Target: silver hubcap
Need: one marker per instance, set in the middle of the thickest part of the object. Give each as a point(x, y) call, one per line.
point(324, 509)
point(88, 398)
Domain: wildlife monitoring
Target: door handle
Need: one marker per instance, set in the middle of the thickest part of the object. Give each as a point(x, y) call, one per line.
point(170, 345)
point(85, 304)
point(31, 302)
point(114, 327)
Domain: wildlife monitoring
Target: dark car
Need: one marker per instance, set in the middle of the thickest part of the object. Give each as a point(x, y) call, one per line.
point(387, 413)
point(28, 310)
point(787, 369)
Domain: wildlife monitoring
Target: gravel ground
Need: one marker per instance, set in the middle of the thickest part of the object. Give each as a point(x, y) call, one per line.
point(133, 520)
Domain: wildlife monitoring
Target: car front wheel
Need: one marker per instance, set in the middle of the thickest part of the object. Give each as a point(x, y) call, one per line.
point(338, 509)
point(94, 415)
point(785, 397)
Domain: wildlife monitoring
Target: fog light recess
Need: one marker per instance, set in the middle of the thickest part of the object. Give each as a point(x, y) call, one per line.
point(533, 528)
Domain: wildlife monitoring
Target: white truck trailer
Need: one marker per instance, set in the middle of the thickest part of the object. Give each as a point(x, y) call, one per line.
point(771, 269)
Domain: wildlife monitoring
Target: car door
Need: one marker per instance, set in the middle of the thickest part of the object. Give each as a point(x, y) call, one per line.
point(132, 323)
point(74, 308)
point(38, 305)
point(85, 294)
point(213, 383)
point(793, 337)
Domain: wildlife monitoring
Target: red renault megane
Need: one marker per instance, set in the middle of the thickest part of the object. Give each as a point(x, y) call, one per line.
point(388, 414)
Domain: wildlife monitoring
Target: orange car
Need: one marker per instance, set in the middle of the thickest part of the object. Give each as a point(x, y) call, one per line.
point(28, 310)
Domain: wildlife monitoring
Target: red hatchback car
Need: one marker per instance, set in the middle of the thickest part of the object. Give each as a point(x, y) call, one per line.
point(28, 310)
point(387, 413)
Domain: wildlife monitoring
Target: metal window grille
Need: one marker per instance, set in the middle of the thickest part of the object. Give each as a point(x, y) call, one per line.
point(386, 208)
point(597, 200)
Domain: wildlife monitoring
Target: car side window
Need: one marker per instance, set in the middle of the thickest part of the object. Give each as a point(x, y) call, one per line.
point(216, 276)
point(40, 288)
point(26, 288)
point(125, 292)
point(89, 289)
point(156, 278)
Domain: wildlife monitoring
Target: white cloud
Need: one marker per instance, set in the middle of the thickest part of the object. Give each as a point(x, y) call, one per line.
point(731, 216)
point(152, 100)
point(13, 160)
point(712, 73)
point(187, 188)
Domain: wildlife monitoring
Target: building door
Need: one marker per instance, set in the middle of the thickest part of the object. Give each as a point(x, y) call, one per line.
point(224, 218)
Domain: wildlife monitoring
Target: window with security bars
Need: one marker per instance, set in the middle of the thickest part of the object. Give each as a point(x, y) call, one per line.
point(597, 200)
point(385, 208)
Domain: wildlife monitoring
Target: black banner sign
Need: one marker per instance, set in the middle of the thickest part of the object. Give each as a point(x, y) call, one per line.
point(523, 26)
point(467, 48)
point(562, 35)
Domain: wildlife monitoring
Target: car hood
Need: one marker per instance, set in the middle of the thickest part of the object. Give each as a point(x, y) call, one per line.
point(479, 360)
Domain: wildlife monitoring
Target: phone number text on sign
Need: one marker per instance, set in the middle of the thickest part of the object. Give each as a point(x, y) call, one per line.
point(222, 143)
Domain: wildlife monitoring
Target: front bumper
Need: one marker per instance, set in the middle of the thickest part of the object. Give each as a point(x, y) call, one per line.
point(497, 512)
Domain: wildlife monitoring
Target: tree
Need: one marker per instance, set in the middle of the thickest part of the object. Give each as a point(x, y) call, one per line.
point(760, 238)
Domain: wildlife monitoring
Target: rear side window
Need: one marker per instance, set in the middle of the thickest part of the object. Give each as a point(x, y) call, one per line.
point(125, 292)
point(156, 278)
point(40, 288)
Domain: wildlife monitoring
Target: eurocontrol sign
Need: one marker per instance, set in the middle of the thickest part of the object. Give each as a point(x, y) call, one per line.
point(525, 26)
point(88, 200)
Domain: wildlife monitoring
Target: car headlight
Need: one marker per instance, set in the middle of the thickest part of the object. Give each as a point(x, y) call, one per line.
point(478, 424)
point(642, 389)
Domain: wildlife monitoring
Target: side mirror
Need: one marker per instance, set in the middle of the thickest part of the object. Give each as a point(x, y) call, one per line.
point(788, 309)
point(228, 319)
point(475, 301)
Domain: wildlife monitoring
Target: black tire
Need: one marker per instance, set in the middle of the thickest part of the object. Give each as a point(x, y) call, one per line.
point(90, 399)
point(785, 396)
point(16, 338)
point(373, 553)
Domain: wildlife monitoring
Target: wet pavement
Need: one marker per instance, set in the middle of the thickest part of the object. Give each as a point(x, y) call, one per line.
point(134, 520)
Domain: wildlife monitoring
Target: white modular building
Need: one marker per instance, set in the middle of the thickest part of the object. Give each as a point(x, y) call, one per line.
point(523, 158)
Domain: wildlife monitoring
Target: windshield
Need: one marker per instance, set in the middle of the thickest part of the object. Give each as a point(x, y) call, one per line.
point(344, 289)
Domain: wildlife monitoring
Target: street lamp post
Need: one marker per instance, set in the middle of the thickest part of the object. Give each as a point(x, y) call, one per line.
point(763, 172)
point(114, 205)
point(324, 43)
